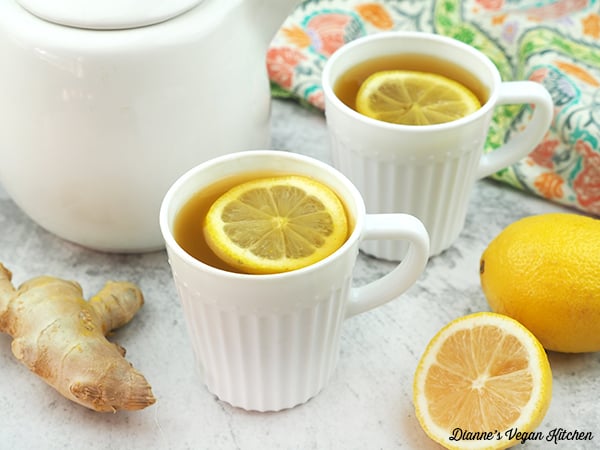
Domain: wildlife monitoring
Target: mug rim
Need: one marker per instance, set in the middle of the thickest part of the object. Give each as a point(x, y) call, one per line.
point(165, 213)
point(341, 52)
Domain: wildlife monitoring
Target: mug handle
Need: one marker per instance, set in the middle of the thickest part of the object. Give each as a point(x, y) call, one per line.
point(397, 227)
point(515, 93)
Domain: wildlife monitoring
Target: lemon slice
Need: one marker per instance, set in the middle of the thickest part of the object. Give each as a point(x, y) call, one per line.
point(277, 224)
point(484, 373)
point(414, 98)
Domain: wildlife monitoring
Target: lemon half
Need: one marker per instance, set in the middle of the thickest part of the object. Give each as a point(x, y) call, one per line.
point(483, 373)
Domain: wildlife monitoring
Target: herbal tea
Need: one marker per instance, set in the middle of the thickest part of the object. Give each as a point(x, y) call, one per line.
point(262, 223)
point(187, 228)
point(349, 83)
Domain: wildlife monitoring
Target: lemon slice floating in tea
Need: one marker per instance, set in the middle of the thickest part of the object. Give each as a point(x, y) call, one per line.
point(276, 224)
point(414, 98)
point(483, 373)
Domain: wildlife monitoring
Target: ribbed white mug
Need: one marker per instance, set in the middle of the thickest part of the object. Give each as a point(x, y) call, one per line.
point(269, 342)
point(427, 171)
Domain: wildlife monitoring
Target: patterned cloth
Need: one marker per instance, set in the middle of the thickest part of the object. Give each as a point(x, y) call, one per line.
point(553, 42)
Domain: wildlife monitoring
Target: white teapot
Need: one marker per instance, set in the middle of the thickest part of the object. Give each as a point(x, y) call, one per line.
point(104, 103)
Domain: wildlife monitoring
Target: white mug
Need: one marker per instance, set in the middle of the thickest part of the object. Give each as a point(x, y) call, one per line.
point(427, 171)
point(270, 342)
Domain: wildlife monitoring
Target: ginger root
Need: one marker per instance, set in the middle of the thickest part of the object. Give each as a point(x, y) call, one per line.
point(61, 337)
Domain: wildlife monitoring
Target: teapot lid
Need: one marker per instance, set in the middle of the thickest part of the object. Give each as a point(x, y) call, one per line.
point(107, 14)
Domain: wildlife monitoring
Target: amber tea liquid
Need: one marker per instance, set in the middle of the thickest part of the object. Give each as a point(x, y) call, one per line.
point(348, 84)
point(188, 224)
point(189, 221)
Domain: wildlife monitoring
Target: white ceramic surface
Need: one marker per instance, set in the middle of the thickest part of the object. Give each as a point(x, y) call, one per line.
point(96, 125)
point(428, 171)
point(270, 342)
point(107, 14)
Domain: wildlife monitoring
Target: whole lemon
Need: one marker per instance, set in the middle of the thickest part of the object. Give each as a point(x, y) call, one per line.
point(544, 271)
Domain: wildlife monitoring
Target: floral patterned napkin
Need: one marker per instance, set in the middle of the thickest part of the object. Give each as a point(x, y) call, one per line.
point(553, 42)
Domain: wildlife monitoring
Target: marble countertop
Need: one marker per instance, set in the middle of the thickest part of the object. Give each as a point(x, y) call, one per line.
point(366, 405)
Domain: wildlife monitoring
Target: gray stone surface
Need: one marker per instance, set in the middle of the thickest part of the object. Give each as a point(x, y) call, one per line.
point(366, 405)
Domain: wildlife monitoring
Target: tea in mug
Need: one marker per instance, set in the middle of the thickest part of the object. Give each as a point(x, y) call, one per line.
point(187, 227)
point(349, 83)
point(293, 220)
